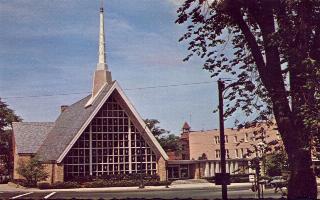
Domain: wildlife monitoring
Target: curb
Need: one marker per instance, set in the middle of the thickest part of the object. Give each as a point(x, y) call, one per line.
point(11, 184)
point(132, 189)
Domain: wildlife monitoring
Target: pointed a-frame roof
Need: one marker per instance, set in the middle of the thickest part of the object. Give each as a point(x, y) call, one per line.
point(75, 119)
point(186, 126)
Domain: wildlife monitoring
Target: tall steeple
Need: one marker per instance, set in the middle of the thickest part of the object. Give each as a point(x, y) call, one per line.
point(102, 64)
point(102, 75)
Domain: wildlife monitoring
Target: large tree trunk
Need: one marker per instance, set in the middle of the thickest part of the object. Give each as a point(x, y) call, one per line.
point(295, 135)
point(302, 181)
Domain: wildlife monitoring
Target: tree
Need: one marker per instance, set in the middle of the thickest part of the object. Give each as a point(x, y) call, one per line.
point(276, 163)
point(152, 124)
point(166, 140)
point(7, 116)
point(32, 170)
point(271, 48)
point(171, 142)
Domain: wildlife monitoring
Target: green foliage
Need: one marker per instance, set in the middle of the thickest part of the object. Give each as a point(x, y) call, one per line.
point(270, 51)
point(101, 183)
point(44, 185)
point(170, 142)
point(7, 116)
point(152, 124)
point(115, 177)
point(250, 42)
point(6, 155)
point(234, 178)
point(166, 140)
point(32, 170)
point(59, 185)
point(276, 163)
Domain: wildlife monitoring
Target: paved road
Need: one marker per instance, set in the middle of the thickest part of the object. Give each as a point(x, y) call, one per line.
point(205, 193)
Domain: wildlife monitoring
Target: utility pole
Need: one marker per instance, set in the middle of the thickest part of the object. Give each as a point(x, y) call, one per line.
point(221, 88)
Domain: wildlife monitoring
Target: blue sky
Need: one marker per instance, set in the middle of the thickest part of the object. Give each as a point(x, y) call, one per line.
point(50, 47)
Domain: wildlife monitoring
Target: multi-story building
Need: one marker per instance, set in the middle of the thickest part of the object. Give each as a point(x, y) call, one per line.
point(200, 155)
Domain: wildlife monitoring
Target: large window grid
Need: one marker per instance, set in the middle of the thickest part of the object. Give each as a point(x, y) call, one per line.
point(111, 144)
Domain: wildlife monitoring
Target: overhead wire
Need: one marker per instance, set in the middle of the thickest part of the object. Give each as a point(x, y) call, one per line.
point(128, 89)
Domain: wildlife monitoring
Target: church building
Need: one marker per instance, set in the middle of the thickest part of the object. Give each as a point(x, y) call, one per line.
point(100, 134)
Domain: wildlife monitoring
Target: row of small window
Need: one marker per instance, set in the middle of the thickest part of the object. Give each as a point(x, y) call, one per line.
point(70, 175)
point(235, 138)
point(109, 167)
point(238, 153)
point(110, 159)
point(110, 151)
point(110, 136)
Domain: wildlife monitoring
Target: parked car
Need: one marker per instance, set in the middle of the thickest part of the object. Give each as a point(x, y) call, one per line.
point(278, 182)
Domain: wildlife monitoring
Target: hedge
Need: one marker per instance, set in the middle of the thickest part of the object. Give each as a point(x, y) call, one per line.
point(234, 178)
point(101, 183)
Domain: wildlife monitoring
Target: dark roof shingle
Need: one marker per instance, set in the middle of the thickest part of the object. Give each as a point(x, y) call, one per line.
point(68, 125)
point(30, 135)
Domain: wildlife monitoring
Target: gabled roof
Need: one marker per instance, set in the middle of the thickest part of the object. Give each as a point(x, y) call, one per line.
point(30, 135)
point(186, 126)
point(66, 127)
point(73, 121)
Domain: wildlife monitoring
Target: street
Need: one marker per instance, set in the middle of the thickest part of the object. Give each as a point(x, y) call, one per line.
point(202, 193)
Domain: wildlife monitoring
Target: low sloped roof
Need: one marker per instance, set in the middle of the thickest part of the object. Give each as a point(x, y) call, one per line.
point(30, 135)
point(68, 125)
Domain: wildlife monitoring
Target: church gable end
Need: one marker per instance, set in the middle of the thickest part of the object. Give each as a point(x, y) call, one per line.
point(111, 144)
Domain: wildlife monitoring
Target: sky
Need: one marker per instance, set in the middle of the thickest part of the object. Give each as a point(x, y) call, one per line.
point(49, 51)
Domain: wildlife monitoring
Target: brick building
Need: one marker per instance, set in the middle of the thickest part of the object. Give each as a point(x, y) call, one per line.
point(200, 154)
point(100, 134)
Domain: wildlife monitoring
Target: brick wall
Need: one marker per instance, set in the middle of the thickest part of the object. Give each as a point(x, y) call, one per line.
point(55, 173)
point(17, 159)
point(162, 169)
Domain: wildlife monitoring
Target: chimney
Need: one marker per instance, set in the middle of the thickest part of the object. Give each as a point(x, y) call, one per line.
point(63, 108)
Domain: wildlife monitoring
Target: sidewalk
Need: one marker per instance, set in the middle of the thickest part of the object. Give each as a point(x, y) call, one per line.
point(10, 188)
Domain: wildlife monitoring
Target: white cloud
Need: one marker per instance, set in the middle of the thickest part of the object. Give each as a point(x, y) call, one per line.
point(176, 2)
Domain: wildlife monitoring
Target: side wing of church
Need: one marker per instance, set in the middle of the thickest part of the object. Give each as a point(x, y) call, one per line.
point(100, 134)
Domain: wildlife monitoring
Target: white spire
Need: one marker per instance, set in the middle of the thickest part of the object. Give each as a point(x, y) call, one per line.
point(102, 64)
point(102, 75)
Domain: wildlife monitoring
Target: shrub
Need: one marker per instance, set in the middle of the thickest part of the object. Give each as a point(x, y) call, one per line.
point(21, 182)
point(234, 178)
point(44, 185)
point(32, 170)
point(58, 185)
point(157, 183)
point(239, 178)
point(133, 176)
point(82, 179)
point(113, 181)
point(65, 185)
point(95, 184)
